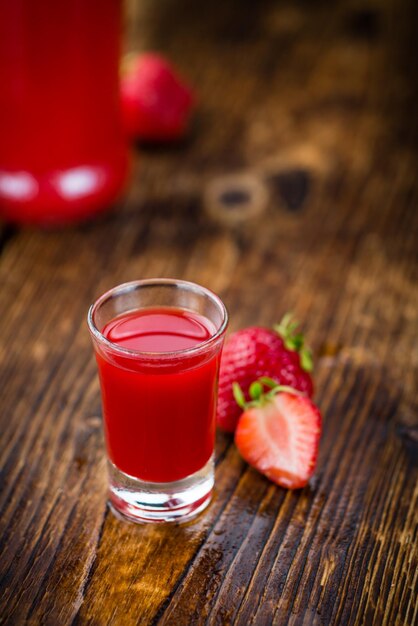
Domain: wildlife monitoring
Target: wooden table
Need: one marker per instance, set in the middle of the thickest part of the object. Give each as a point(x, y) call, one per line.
point(296, 190)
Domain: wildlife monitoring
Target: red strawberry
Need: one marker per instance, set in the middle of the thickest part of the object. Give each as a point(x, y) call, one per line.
point(253, 352)
point(156, 103)
point(278, 433)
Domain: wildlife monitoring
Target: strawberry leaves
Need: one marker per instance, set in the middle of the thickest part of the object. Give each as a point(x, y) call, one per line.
point(258, 395)
point(293, 340)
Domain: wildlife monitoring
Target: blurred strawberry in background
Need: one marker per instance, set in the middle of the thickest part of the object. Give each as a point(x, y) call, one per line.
point(156, 101)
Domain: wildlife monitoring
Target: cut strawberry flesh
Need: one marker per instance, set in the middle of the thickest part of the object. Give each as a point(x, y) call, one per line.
point(281, 439)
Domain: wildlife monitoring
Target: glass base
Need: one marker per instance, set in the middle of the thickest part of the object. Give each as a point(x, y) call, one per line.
point(143, 502)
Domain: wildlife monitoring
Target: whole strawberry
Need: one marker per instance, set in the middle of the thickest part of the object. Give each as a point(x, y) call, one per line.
point(156, 102)
point(251, 353)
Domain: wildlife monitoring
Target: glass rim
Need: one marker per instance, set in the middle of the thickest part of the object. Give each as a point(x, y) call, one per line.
point(150, 282)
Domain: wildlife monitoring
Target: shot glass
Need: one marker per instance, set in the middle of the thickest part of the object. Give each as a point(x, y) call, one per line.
point(158, 344)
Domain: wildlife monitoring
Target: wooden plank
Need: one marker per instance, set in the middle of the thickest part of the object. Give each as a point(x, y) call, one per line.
point(315, 107)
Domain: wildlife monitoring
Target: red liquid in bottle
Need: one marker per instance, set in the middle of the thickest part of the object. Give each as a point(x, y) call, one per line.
point(63, 155)
point(160, 416)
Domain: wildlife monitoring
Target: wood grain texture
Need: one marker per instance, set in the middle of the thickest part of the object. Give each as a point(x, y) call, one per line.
point(314, 110)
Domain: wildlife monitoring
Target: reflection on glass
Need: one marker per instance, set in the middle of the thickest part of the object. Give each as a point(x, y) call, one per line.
point(78, 182)
point(18, 185)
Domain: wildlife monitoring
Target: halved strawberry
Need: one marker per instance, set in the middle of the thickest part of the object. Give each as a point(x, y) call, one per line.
point(278, 433)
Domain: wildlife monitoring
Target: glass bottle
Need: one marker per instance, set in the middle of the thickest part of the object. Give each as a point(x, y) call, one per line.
point(63, 154)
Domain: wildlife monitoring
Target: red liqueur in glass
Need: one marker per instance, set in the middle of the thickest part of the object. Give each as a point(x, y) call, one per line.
point(159, 419)
point(158, 345)
point(63, 154)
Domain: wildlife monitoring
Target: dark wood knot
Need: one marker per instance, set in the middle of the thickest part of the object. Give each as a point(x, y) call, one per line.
point(292, 186)
point(363, 24)
point(235, 198)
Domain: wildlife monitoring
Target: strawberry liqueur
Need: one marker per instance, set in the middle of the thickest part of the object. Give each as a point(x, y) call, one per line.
point(158, 346)
point(159, 422)
point(63, 153)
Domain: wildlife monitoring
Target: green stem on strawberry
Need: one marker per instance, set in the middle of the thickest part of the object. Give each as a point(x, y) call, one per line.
point(294, 340)
point(258, 396)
